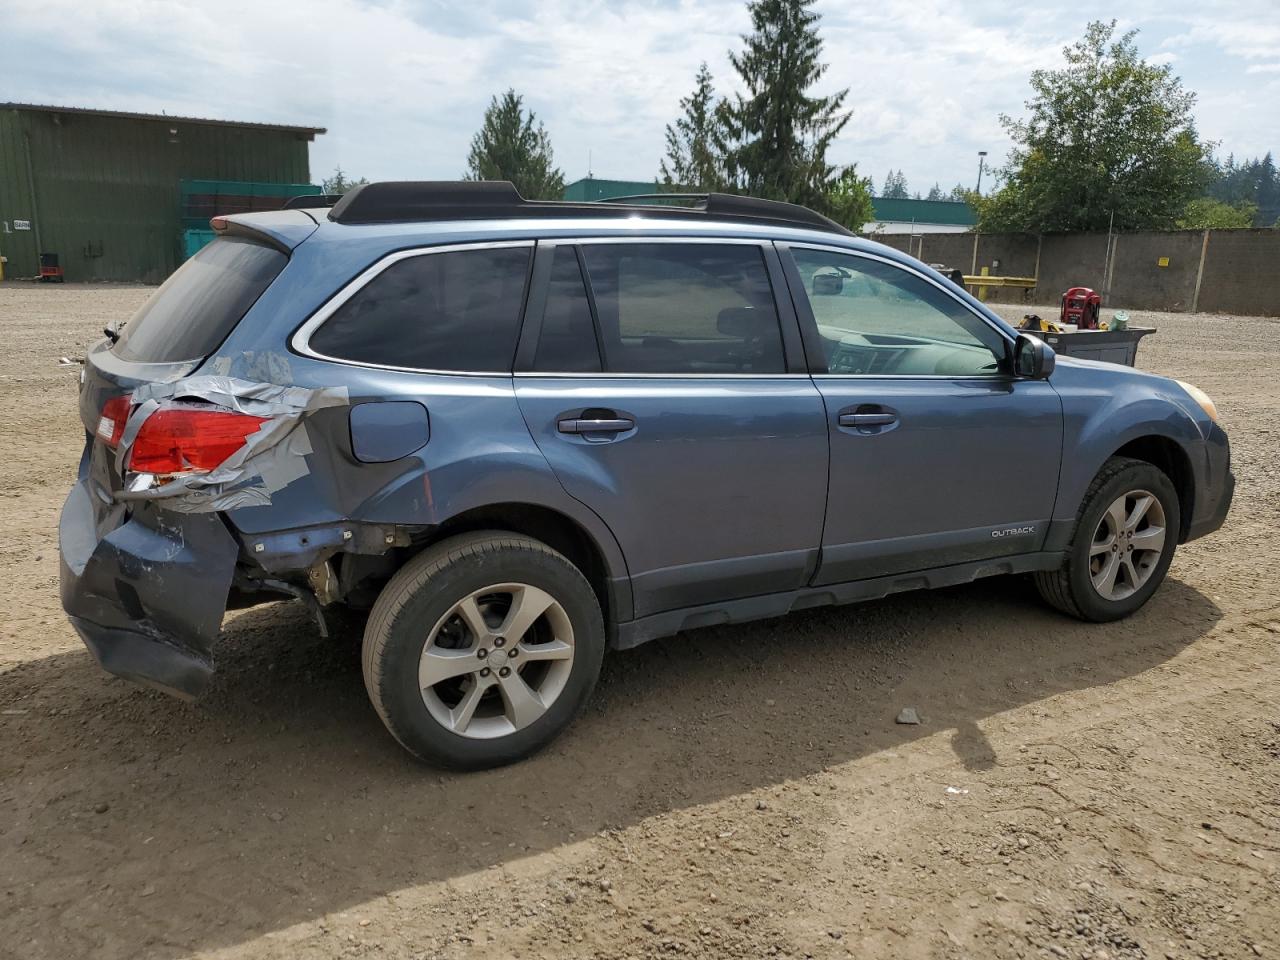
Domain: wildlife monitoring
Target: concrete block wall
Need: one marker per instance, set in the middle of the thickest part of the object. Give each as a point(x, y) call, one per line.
point(1222, 271)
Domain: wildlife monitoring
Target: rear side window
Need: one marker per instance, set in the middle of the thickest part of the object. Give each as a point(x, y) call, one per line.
point(567, 343)
point(684, 308)
point(195, 309)
point(457, 311)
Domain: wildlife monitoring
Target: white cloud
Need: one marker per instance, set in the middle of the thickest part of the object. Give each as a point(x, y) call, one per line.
point(401, 84)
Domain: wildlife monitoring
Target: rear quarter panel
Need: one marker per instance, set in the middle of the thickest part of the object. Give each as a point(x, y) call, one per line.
point(479, 451)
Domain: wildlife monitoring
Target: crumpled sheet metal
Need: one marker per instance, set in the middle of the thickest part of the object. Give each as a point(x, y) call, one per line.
point(270, 459)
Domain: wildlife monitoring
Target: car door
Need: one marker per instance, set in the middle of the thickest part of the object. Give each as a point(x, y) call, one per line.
point(938, 454)
point(665, 385)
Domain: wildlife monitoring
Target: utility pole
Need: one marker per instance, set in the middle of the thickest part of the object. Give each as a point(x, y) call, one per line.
point(982, 159)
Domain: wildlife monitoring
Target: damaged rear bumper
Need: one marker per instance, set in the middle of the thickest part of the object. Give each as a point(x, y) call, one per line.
point(144, 587)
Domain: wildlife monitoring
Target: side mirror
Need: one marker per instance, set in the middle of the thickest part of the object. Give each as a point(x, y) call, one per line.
point(1033, 359)
point(827, 284)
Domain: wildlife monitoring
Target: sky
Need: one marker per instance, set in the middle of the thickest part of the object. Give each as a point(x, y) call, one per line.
point(402, 85)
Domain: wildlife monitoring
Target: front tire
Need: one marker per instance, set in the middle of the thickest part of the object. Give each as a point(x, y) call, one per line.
point(482, 649)
point(1124, 540)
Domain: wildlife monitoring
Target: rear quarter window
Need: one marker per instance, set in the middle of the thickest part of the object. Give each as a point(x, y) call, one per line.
point(456, 311)
point(193, 311)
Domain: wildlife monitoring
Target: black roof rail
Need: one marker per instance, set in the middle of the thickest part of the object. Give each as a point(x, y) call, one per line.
point(311, 201)
point(408, 201)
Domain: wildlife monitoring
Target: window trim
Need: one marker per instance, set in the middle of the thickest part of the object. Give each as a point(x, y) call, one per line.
point(809, 323)
point(784, 310)
point(300, 342)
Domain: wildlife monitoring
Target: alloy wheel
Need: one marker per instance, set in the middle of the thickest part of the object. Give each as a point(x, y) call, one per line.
point(496, 661)
point(1127, 545)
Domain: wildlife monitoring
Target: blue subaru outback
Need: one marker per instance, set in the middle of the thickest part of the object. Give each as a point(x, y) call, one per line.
point(519, 433)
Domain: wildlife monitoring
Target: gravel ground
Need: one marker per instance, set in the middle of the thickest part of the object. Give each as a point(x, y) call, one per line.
point(1073, 791)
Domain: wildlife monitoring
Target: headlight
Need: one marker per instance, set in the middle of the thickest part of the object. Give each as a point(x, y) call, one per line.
point(1202, 398)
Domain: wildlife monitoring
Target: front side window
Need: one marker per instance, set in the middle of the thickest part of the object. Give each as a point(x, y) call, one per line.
point(876, 318)
point(457, 310)
point(684, 308)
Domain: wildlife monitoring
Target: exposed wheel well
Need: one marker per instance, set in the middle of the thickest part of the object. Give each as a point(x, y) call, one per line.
point(1169, 457)
point(558, 531)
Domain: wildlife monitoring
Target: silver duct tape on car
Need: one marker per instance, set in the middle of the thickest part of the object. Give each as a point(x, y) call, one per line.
point(272, 457)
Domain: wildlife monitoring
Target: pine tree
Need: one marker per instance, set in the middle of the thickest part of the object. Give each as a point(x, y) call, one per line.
point(1267, 195)
point(780, 134)
point(340, 183)
point(935, 192)
point(513, 146)
point(696, 141)
point(895, 186)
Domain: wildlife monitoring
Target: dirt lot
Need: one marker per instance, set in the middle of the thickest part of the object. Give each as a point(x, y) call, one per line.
point(1074, 791)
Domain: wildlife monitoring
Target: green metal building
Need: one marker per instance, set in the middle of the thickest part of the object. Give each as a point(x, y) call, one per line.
point(104, 190)
point(589, 188)
point(891, 215)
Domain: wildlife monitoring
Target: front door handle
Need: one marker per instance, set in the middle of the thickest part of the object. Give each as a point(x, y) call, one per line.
point(867, 419)
point(603, 425)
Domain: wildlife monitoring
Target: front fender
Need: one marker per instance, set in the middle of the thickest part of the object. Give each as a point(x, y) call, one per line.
point(1105, 407)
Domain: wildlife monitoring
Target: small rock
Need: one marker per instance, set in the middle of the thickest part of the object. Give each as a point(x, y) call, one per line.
point(570, 897)
point(275, 816)
point(101, 808)
point(605, 884)
point(1056, 950)
point(835, 934)
point(365, 923)
point(1023, 842)
point(761, 805)
point(649, 925)
point(148, 890)
point(908, 715)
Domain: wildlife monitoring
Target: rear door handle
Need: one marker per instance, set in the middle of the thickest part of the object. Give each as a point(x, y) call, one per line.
point(867, 419)
point(605, 425)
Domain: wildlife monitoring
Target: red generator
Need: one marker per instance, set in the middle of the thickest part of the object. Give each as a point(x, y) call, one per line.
point(1080, 306)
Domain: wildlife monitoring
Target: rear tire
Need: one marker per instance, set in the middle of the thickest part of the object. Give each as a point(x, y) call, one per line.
point(1125, 536)
point(482, 649)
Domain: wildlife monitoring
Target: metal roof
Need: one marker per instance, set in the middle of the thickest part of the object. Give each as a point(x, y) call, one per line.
point(907, 210)
point(160, 117)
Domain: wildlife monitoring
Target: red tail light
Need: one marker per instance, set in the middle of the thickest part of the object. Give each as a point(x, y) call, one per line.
point(178, 440)
point(111, 424)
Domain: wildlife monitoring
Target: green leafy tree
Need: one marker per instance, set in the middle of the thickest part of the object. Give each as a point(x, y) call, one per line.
point(512, 145)
point(1206, 213)
point(935, 192)
point(1108, 134)
point(849, 202)
point(340, 183)
point(696, 141)
point(779, 133)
